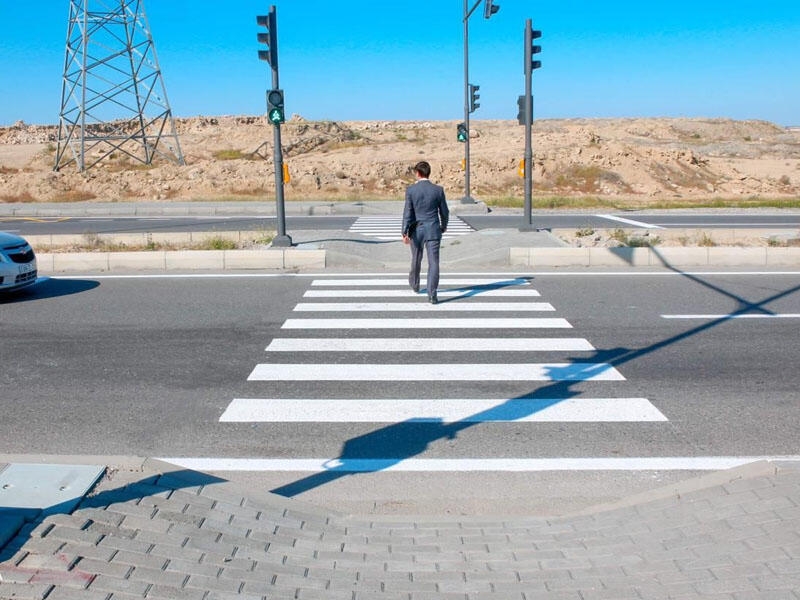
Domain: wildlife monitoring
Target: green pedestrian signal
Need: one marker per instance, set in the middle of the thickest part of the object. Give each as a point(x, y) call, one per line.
point(275, 110)
point(461, 132)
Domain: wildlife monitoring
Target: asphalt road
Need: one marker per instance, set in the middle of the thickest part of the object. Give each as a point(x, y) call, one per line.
point(82, 225)
point(148, 365)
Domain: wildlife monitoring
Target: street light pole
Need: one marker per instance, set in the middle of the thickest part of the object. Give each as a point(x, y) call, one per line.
point(489, 9)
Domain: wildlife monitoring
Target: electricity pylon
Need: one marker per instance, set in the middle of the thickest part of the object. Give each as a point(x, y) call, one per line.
point(113, 97)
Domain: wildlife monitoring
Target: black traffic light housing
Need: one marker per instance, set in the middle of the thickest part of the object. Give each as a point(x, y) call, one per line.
point(535, 34)
point(269, 37)
point(521, 110)
point(489, 8)
point(275, 109)
point(461, 132)
point(473, 97)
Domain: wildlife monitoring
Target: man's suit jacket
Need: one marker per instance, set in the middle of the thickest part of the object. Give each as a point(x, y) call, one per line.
point(425, 214)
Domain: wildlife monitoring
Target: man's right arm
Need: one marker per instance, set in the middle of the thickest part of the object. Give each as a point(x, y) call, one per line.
point(408, 214)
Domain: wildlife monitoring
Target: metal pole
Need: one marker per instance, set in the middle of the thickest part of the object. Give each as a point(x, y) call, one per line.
point(528, 170)
point(467, 199)
point(281, 239)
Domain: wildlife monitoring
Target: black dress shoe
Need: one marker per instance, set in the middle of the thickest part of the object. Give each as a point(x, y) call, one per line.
point(433, 299)
point(415, 290)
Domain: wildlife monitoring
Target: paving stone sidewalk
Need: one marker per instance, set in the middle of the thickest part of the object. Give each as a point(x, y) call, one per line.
point(169, 534)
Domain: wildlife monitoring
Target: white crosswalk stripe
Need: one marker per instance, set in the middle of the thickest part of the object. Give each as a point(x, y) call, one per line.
point(451, 410)
point(389, 227)
point(356, 356)
point(436, 372)
point(424, 323)
point(463, 284)
point(420, 307)
point(407, 293)
point(429, 345)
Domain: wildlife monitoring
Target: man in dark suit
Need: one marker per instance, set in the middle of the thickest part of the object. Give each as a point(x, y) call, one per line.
point(425, 217)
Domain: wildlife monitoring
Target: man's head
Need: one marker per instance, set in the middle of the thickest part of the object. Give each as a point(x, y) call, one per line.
point(422, 169)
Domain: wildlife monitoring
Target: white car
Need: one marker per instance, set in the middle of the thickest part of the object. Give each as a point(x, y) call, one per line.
point(17, 263)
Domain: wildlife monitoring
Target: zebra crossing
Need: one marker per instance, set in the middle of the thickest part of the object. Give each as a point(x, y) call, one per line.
point(335, 336)
point(389, 227)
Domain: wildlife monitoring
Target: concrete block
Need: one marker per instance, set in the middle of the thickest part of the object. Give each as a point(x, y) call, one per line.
point(137, 261)
point(679, 256)
point(560, 257)
point(253, 259)
point(612, 257)
point(737, 257)
point(293, 258)
point(783, 257)
point(44, 263)
point(195, 259)
point(322, 209)
point(80, 261)
point(519, 256)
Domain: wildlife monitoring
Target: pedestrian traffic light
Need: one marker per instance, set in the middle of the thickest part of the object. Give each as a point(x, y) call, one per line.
point(275, 110)
point(521, 110)
point(473, 97)
point(489, 8)
point(269, 37)
point(461, 132)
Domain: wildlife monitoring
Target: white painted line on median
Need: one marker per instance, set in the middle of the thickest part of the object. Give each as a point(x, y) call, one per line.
point(523, 410)
point(436, 372)
point(455, 465)
point(734, 316)
point(412, 324)
point(429, 345)
point(630, 222)
point(423, 306)
point(509, 292)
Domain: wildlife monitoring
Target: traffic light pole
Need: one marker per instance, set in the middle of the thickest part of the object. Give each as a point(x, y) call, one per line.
point(467, 199)
point(528, 169)
point(270, 38)
point(281, 239)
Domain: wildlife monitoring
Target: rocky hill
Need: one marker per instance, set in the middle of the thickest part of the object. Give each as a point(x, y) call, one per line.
point(638, 160)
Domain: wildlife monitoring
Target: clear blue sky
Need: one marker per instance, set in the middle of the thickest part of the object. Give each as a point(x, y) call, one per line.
point(386, 59)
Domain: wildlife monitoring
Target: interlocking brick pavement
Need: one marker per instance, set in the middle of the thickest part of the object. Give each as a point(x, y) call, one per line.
point(182, 535)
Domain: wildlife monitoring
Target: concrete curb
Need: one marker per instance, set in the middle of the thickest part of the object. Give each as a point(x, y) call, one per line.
point(719, 256)
point(182, 260)
point(300, 258)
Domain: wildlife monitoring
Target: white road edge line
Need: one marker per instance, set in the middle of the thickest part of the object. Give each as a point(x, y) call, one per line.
point(222, 275)
point(666, 463)
point(734, 316)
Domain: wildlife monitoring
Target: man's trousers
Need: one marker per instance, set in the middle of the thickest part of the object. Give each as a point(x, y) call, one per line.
point(431, 248)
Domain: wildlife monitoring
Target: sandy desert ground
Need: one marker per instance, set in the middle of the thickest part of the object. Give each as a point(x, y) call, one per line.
point(637, 162)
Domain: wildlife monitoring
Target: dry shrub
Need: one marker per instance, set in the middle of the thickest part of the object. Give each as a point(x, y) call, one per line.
point(23, 197)
point(74, 196)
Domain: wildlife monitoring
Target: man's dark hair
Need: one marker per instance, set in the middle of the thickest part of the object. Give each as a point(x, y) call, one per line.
point(423, 168)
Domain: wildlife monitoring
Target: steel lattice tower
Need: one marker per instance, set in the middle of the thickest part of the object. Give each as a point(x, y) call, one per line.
point(113, 97)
